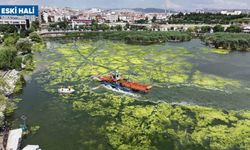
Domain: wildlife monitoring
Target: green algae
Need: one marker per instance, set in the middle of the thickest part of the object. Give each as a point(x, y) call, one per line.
point(139, 125)
point(135, 125)
point(220, 51)
point(34, 129)
point(38, 47)
point(154, 64)
point(141, 63)
point(215, 82)
point(215, 51)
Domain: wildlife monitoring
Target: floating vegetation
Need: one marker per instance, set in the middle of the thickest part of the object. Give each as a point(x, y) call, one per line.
point(37, 47)
point(144, 126)
point(220, 51)
point(214, 82)
point(155, 64)
point(34, 129)
point(19, 85)
point(133, 124)
point(215, 51)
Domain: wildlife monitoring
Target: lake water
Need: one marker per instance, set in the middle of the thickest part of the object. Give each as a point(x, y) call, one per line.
point(200, 77)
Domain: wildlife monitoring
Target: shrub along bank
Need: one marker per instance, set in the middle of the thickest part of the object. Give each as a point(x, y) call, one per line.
point(230, 41)
point(15, 53)
point(136, 37)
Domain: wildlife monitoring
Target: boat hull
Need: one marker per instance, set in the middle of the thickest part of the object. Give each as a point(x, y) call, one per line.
point(125, 83)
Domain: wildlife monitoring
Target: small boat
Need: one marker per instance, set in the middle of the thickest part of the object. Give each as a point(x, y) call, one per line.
point(66, 90)
point(115, 78)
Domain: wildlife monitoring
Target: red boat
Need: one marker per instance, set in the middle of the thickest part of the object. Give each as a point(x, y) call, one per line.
point(116, 78)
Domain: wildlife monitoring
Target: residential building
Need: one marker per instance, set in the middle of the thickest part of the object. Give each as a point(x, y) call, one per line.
point(225, 12)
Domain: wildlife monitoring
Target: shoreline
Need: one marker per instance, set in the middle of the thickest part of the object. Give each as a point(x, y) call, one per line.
point(12, 77)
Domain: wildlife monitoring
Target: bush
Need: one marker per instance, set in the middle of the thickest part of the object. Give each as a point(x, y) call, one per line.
point(24, 46)
point(8, 58)
point(16, 64)
point(218, 28)
point(205, 29)
point(35, 25)
point(3, 102)
point(10, 40)
point(35, 37)
point(24, 33)
point(234, 29)
point(230, 41)
point(135, 37)
point(11, 107)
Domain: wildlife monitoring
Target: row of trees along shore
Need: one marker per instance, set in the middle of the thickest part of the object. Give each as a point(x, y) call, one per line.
point(227, 38)
point(15, 52)
point(151, 37)
point(16, 48)
point(207, 18)
point(143, 37)
point(64, 25)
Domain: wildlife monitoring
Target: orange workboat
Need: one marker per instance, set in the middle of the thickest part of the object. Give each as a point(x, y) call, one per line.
point(115, 78)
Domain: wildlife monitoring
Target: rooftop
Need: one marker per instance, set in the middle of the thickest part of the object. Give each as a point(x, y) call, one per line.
point(14, 139)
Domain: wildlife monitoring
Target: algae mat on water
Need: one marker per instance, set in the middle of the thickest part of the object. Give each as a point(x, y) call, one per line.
point(157, 65)
point(133, 124)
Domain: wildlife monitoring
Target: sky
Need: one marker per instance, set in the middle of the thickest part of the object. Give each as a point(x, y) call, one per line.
point(170, 4)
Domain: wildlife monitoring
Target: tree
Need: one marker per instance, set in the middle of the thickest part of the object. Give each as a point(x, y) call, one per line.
point(154, 19)
point(234, 29)
point(31, 29)
point(126, 27)
point(118, 28)
point(24, 33)
point(35, 24)
point(61, 25)
point(205, 29)
point(94, 28)
point(103, 27)
point(218, 28)
point(142, 21)
point(24, 46)
point(8, 28)
point(204, 18)
point(119, 20)
point(94, 25)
